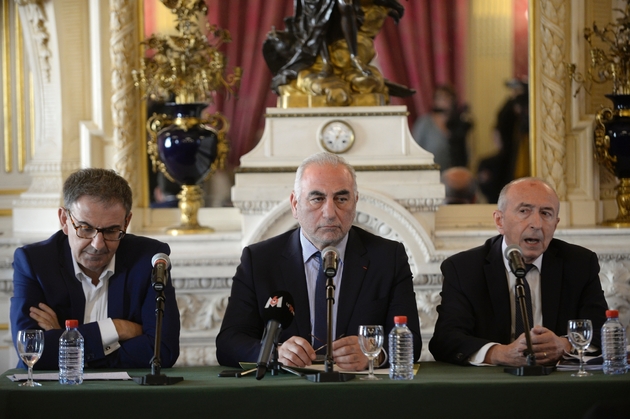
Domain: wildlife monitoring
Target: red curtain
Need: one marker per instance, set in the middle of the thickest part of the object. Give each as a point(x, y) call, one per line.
point(248, 21)
point(425, 49)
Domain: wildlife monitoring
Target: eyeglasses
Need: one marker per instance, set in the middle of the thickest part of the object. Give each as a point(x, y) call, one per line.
point(325, 344)
point(88, 232)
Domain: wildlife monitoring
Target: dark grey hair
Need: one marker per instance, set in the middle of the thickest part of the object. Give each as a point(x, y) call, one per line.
point(322, 159)
point(106, 186)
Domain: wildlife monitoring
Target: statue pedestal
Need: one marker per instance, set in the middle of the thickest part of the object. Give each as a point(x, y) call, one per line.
point(399, 184)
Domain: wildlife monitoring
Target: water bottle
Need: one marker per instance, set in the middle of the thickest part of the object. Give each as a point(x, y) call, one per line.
point(400, 350)
point(71, 354)
point(614, 345)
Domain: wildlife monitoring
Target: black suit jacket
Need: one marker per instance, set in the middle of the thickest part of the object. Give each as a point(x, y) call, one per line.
point(43, 273)
point(377, 285)
point(475, 307)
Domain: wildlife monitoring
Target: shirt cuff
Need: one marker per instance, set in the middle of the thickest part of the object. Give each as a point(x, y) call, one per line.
point(109, 336)
point(478, 357)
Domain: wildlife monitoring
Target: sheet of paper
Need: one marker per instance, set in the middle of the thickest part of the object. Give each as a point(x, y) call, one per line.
point(53, 376)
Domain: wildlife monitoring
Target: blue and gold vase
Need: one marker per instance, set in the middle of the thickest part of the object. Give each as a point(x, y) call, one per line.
point(612, 149)
point(187, 147)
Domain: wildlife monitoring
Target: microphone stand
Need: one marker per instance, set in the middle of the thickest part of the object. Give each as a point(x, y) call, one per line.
point(277, 366)
point(531, 369)
point(274, 365)
point(329, 375)
point(156, 378)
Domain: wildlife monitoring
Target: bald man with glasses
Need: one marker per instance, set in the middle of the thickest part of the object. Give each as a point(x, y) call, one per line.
point(93, 271)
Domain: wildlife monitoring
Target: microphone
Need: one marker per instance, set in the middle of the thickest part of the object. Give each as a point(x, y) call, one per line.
point(330, 259)
point(159, 276)
point(278, 315)
point(514, 255)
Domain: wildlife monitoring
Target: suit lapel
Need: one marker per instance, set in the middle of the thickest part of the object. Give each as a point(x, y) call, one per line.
point(550, 286)
point(355, 269)
point(496, 282)
point(116, 287)
point(294, 278)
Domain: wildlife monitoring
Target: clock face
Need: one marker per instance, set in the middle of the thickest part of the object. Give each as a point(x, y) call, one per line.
point(337, 136)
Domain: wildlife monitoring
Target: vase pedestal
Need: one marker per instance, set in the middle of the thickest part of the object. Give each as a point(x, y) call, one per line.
point(190, 200)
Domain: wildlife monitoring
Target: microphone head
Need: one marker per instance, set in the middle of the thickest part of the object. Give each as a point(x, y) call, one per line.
point(330, 259)
point(279, 307)
point(328, 250)
point(161, 256)
point(512, 248)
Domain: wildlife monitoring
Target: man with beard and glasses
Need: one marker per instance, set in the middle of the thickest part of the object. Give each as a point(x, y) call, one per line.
point(93, 271)
point(372, 285)
point(477, 316)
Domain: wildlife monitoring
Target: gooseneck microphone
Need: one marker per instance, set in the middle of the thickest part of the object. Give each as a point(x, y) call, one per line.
point(330, 259)
point(514, 255)
point(278, 314)
point(159, 276)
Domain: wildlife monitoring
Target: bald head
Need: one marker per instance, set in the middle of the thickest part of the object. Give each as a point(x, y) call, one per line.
point(460, 185)
point(527, 215)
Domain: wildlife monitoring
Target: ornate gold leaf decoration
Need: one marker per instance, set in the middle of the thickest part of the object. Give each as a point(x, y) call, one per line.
point(187, 67)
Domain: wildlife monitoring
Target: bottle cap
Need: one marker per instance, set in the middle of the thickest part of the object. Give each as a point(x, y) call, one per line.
point(400, 319)
point(612, 313)
point(72, 324)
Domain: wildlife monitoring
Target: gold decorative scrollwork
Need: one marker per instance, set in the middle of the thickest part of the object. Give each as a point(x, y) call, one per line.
point(602, 141)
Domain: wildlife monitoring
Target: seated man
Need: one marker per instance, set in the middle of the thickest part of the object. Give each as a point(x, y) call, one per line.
point(94, 272)
point(476, 319)
point(373, 282)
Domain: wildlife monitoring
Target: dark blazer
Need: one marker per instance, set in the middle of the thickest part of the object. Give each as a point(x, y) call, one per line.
point(475, 307)
point(43, 272)
point(377, 285)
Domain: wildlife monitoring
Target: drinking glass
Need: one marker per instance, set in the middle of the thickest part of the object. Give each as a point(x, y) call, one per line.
point(580, 333)
point(371, 342)
point(30, 345)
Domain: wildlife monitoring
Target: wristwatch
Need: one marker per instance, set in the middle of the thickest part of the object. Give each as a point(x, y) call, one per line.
point(336, 136)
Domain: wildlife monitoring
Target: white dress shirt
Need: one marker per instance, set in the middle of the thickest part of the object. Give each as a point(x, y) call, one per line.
point(96, 304)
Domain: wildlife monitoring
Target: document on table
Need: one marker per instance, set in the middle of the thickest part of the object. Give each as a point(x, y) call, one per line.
point(54, 376)
point(570, 362)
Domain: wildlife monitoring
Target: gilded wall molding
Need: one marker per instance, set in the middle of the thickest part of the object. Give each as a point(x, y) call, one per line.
point(125, 105)
point(551, 146)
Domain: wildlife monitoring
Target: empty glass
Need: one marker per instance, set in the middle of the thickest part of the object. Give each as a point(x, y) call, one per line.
point(580, 333)
point(371, 342)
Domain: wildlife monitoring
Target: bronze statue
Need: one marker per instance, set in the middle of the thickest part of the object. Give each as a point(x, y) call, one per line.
point(322, 57)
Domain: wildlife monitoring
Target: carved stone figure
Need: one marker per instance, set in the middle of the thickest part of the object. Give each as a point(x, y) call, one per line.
point(322, 57)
